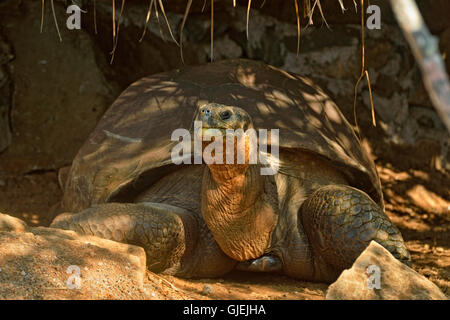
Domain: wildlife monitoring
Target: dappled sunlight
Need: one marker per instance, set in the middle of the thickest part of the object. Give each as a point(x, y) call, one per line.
point(316, 123)
point(33, 218)
point(245, 77)
point(330, 110)
point(417, 203)
point(428, 200)
point(281, 99)
point(263, 108)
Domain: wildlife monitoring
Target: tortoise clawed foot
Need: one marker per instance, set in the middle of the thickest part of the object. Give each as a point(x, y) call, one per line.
point(263, 264)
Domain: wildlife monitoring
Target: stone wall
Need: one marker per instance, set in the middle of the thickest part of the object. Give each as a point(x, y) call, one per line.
point(52, 93)
point(5, 94)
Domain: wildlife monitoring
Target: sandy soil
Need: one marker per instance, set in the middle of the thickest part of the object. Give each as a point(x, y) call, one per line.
point(417, 201)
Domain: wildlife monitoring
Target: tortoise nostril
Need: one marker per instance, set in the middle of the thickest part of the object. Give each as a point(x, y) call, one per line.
point(225, 115)
point(206, 111)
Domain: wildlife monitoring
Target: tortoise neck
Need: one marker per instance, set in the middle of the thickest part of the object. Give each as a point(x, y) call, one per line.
point(235, 210)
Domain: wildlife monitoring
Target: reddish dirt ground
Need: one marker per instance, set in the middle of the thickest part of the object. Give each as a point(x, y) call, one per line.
point(417, 201)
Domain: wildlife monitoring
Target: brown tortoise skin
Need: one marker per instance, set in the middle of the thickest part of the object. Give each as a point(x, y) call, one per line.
point(340, 222)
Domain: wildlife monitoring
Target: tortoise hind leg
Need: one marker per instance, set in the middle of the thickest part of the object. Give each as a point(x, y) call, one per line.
point(167, 233)
point(340, 222)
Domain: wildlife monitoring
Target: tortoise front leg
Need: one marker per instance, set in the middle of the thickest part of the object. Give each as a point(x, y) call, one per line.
point(340, 222)
point(175, 240)
point(167, 233)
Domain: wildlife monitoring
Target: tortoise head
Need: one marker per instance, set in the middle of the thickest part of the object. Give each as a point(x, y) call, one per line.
point(222, 117)
point(225, 135)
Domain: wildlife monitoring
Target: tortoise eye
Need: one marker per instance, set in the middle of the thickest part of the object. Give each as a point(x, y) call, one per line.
point(225, 115)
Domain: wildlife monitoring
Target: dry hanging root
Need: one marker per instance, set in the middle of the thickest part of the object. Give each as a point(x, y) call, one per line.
point(116, 32)
point(212, 30)
point(186, 13)
point(167, 21)
point(248, 15)
point(56, 21)
point(151, 5)
point(147, 18)
point(42, 13)
point(308, 10)
point(54, 17)
point(95, 16)
point(317, 3)
point(364, 73)
point(298, 26)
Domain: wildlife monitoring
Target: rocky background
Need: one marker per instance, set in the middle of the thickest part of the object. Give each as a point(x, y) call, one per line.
point(53, 93)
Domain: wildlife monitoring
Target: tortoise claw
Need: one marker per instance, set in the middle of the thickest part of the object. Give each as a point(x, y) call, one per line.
point(263, 264)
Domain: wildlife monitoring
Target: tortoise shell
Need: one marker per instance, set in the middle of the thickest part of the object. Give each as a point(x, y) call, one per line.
point(131, 146)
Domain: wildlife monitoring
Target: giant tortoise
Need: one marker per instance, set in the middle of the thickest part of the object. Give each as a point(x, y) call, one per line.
point(309, 220)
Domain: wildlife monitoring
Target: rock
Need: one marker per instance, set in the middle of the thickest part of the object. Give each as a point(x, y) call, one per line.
point(59, 90)
point(5, 94)
point(44, 263)
point(207, 290)
point(225, 48)
point(396, 280)
point(8, 223)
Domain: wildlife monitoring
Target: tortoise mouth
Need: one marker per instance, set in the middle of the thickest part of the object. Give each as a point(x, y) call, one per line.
point(220, 128)
point(209, 132)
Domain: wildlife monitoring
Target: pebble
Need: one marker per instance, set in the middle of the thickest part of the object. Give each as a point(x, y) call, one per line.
point(207, 290)
point(23, 273)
